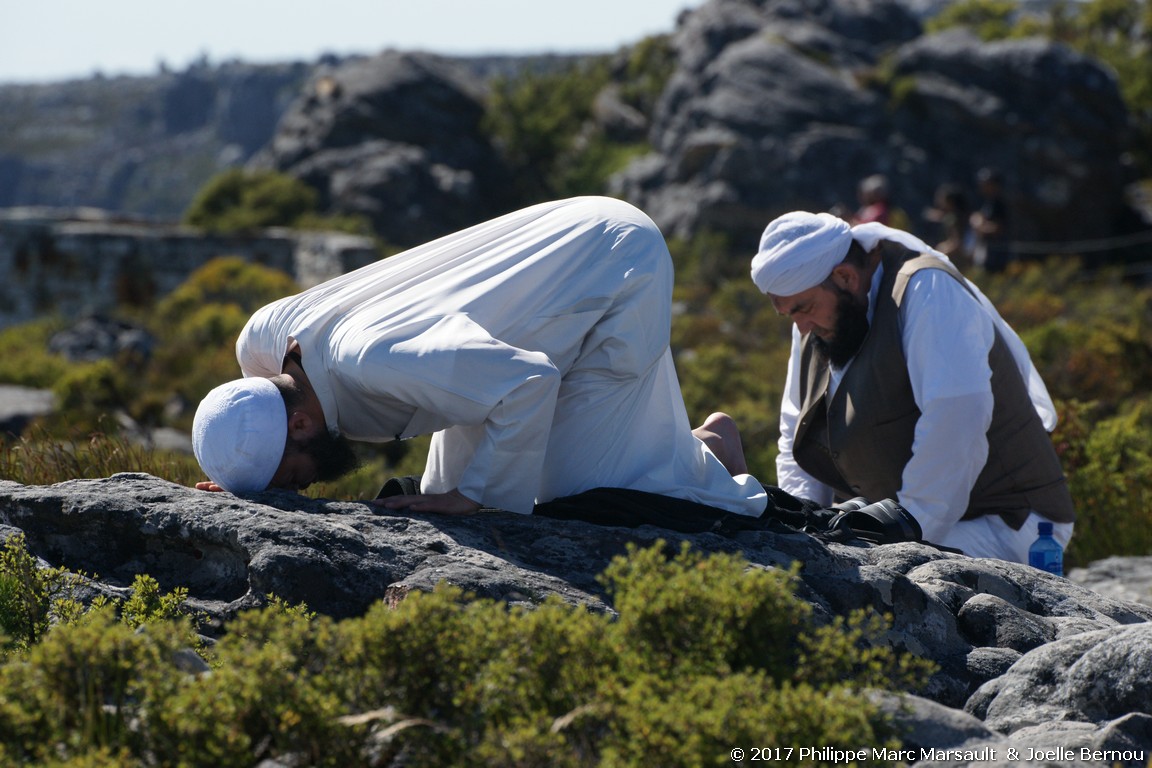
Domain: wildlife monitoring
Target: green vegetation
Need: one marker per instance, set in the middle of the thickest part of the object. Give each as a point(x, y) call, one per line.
point(26, 360)
point(1090, 335)
point(243, 201)
point(546, 125)
point(34, 599)
point(535, 118)
point(198, 323)
point(705, 652)
point(990, 19)
point(43, 458)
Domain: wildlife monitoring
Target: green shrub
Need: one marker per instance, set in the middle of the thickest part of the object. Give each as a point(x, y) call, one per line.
point(229, 281)
point(199, 322)
point(30, 596)
point(697, 721)
point(1109, 466)
point(238, 200)
point(26, 360)
point(544, 122)
point(147, 604)
point(535, 118)
point(79, 689)
point(267, 696)
point(705, 653)
point(33, 598)
point(645, 73)
point(88, 393)
point(990, 19)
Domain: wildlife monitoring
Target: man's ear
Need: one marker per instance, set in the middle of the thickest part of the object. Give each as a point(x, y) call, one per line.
point(846, 277)
point(299, 425)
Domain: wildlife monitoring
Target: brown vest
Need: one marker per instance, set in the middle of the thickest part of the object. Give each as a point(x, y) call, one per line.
point(859, 441)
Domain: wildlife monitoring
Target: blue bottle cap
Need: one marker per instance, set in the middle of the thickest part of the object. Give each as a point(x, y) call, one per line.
point(1045, 529)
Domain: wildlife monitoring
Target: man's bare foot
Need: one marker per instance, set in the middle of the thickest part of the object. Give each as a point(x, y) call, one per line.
point(720, 434)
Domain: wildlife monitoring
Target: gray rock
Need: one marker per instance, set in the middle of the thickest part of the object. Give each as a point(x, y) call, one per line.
point(19, 406)
point(922, 723)
point(1130, 733)
point(987, 620)
point(97, 337)
point(1091, 677)
point(1025, 660)
point(1128, 579)
point(395, 138)
point(777, 106)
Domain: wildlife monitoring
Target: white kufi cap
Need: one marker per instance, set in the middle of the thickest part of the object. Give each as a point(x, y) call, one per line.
point(798, 251)
point(239, 432)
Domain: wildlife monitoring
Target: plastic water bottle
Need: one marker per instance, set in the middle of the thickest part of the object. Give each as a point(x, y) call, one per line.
point(1046, 553)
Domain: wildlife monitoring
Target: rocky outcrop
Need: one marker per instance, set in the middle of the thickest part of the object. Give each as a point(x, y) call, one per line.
point(788, 104)
point(395, 138)
point(74, 264)
point(1026, 659)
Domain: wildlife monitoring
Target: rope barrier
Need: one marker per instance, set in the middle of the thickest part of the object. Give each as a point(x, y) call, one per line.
point(1081, 246)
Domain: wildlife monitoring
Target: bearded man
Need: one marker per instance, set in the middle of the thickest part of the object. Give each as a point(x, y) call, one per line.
point(905, 383)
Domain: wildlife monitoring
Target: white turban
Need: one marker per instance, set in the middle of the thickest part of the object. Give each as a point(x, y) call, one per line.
point(798, 251)
point(239, 432)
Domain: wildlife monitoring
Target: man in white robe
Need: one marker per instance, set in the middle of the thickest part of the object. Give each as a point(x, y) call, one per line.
point(535, 348)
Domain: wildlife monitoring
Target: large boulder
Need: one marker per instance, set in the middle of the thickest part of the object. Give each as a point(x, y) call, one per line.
point(396, 138)
point(789, 104)
point(1016, 647)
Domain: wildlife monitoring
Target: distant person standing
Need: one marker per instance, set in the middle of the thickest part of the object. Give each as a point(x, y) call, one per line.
point(950, 210)
point(990, 223)
point(872, 195)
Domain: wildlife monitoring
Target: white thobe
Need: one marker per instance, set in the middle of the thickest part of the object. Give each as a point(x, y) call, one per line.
point(534, 346)
point(947, 335)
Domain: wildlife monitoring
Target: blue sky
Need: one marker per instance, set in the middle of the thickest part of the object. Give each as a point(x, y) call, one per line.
point(45, 40)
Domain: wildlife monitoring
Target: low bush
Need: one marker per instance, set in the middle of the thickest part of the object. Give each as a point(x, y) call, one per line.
point(27, 360)
point(706, 652)
point(42, 458)
point(1109, 467)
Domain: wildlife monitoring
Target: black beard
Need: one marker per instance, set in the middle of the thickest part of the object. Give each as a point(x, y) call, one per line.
point(332, 454)
point(849, 332)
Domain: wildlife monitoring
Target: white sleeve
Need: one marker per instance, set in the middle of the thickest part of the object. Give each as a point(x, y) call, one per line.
point(947, 339)
point(1037, 390)
point(789, 476)
point(455, 370)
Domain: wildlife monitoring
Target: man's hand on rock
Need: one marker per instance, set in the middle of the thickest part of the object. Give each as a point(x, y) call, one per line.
point(451, 503)
point(208, 485)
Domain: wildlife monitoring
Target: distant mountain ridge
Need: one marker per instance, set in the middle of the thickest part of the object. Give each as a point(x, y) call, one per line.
point(137, 145)
point(142, 146)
